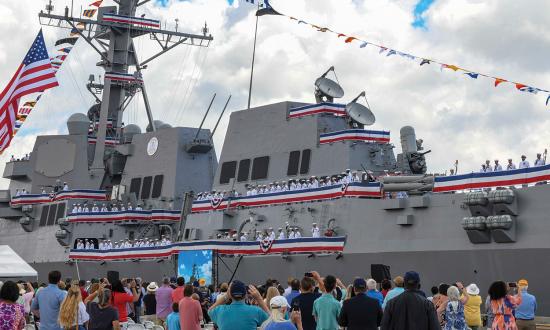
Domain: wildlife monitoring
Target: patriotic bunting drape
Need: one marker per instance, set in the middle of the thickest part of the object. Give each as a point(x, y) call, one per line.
point(389, 52)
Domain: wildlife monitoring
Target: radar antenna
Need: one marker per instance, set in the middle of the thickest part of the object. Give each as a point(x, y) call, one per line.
point(326, 90)
point(359, 114)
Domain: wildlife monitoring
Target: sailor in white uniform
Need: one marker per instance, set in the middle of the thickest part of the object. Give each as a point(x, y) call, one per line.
point(129, 207)
point(291, 235)
point(244, 237)
point(497, 167)
point(75, 209)
point(122, 208)
point(483, 169)
point(85, 209)
point(488, 167)
point(86, 244)
point(510, 165)
point(79, 245)
point(101, 247)
point(356, 177)
point(297, 233)
point(524, 163)
point(539, 161)
point(95, 208)
point(271, 234)
point(114, 208)
point(78, 208)
point(259, 237)
point(315, 231)
point(65, 186)
point(349, 175)
point(284, 186)
point(281, 234)
point(138, 208)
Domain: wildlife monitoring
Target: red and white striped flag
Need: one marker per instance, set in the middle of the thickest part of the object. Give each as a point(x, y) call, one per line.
point(35, 74)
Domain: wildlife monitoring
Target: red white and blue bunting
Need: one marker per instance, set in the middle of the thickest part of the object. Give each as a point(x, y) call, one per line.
point(356, 189)
point(31, 199)
point(304, 245)
point(125, 216)
point(123, 77)
point(109, 141)
point(492, 179)
point(355, 135)
point(314, 109)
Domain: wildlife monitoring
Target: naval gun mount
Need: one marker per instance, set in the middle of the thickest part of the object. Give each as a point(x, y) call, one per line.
point(411, 160)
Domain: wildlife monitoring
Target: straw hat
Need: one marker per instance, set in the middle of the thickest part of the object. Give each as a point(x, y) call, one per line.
point(472, 289)
point(152, 287)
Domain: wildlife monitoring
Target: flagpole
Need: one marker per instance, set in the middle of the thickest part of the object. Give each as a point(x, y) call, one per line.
point(253, 56)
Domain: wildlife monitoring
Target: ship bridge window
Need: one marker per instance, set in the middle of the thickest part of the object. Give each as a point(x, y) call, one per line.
point(146, 187)
point(135, 184)
point(293, 162)
point(306, 157)
point(244, 170)
point(157, 186)
point(259, 168)
point(60, 212)
point(51, 215)
point(228, 172)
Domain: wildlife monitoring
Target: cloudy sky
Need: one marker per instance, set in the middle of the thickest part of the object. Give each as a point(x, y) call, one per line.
point(457, 117)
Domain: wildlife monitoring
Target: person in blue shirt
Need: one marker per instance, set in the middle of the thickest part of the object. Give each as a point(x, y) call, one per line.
point(398, 281)
point(294, 292)
point(373, 293)
point(173, 319)
point(525, 312)
point(47, 302)
point(238, 315)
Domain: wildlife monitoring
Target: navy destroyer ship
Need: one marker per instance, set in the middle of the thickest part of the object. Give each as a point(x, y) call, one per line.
point(298, 187)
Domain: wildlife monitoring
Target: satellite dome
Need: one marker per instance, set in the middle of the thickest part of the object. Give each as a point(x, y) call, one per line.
point(164, 126)
point(78, 124)
point(130, 131)
point(158, 124)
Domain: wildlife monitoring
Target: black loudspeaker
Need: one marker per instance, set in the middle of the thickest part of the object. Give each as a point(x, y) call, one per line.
point(112, 276)
point(380, 272)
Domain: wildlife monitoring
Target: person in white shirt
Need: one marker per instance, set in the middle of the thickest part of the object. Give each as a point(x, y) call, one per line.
point(85, 209)
point(101, 245)
point(122, 208)
point(244, 237)
point(281, 234)
point(78, 208)
point(138, 208)
point(539, 161)
point(315, 231)
point(497, 167)
point(483, 169)
point(524, 163)
point(65, 186)
point(95, 208)
point(488, 167)
point(75, 209)
point(129, 207)
point(291, 235)
point(271, 233)
point(114, 208)
point(86, 244)
point(297, 233)
point(510, 165)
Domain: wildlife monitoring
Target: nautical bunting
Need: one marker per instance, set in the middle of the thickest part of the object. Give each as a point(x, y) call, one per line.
point(109, 141)
point(304, 245)
point(382, 49)
point(122, 77)
point(492, 179)
point(356, 189)
point(355, 135)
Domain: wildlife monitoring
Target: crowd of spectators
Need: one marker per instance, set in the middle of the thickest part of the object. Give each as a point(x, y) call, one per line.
point(113, 207)
point(312, 302)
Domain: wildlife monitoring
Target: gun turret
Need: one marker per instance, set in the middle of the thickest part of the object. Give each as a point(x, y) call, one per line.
point(411, 160)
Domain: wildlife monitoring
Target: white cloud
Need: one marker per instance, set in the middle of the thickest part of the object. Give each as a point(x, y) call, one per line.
point(457, 117)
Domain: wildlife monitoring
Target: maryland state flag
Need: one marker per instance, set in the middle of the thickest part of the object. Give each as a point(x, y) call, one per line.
point(89, 12)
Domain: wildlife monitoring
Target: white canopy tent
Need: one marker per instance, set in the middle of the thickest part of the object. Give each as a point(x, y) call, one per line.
point(12, 265)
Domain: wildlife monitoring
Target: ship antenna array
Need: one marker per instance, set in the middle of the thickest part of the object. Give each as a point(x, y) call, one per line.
point(113, 42)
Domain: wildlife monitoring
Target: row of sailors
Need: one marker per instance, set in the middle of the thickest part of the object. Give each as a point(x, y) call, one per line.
point(123, 244)
point(78, 208)
point(486, 168)
point(43, 191)
point(270, 234)
point(348, 176)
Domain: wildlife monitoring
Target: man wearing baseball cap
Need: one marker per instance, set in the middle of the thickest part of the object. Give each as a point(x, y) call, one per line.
point(360, 312)
point(238, 315)
point(525, 312)
point(410, 310)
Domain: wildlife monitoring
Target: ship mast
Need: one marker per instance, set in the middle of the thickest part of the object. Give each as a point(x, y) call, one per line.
point(113, 41)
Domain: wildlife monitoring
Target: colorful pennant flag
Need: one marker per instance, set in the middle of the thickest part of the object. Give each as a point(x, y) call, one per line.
point(89, 12)
point(364, 44)
point(71, 41)
point(449, 66)
point(472, 75)
point(525, 88)
point(391, 52)
point(96, 3)
point(350, 39)
point(499, 81)
point(65, 50)
point(424, 61)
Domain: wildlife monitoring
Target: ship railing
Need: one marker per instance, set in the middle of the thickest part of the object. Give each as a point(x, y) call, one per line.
point(32, 199)
point(355, 189)
point(304, 245)
point(126, 217)
point(472, 181)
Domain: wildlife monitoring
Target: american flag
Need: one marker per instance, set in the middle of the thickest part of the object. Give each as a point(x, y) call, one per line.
point(35, 74)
